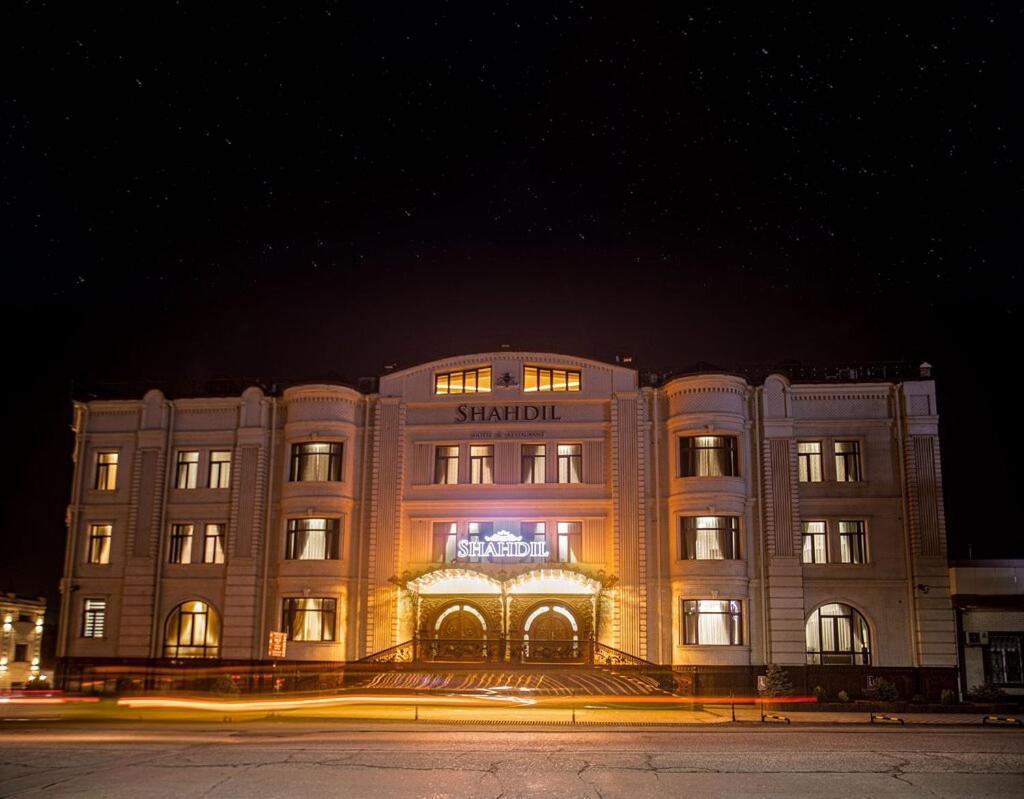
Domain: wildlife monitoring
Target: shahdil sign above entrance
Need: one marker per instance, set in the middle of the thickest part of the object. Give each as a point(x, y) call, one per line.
point(507, 413)
point(503, 544)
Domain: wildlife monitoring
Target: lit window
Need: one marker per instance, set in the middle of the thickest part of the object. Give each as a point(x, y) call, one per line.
point(707, 456)
point(837, 635)
point(1004, 659)
point(808, 454)
point(852, 544)
point(316, 462)
point(570, 541)
point(192, 631)
point(534, 463)
point(536, 378)
point(848, 461)
point(570, 463)
point(188, 470)
point(479, 531)
point(94, 615)
point(712, 622)
point(312, 539)
point(213, 544)
point(446, 465)
point(445, 542)
point(534, 532)
point(106, 471)
point(465, 381)
point(99, 542)
point(481, 463)
point(814, 540)
point(181, 543)
point(220, 469)
point(309, 618)
point(709, 537)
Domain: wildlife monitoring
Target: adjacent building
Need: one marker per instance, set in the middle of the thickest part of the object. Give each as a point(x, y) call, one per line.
point(527, 508)
point(21, 638)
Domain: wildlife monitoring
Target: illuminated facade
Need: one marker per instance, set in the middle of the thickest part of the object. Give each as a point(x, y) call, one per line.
point(518, 508)
point(21, 638)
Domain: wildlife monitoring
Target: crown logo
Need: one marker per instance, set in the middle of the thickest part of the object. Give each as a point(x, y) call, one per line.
point(503, 535)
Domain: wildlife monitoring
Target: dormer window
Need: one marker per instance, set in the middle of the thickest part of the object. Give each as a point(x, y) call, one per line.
point(536, 378)
point(465, 381)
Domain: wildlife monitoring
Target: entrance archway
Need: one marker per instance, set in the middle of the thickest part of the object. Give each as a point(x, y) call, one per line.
point(551, 634)
point(460, 633)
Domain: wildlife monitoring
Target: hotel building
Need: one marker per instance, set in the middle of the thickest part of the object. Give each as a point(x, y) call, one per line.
point(514, 508)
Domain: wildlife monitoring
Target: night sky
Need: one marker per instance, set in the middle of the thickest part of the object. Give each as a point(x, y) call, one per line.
point(277, 194)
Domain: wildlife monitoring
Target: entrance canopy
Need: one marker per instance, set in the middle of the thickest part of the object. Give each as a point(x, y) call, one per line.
point(538, 581)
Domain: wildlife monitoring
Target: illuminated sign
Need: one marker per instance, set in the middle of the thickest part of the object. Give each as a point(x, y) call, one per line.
point(507, 413)
point(503, 544)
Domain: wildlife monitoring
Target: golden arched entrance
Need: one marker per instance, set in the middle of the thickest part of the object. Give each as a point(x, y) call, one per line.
point(551, 634)
point(459, 633)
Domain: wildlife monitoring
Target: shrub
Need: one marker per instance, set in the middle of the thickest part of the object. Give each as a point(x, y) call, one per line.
point(986, 693)
point(777, 683)
point(884, 691)
point(820, 693)
point(842, 696)
point(947, 697)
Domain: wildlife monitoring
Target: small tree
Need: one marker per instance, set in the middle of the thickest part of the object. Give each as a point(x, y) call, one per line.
point(777, 682)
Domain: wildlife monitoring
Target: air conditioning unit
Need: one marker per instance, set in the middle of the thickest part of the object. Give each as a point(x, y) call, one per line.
point(977, 639)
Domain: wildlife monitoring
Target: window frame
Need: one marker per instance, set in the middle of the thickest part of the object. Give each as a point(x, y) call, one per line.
point(209, 612)
point(186, 472)
point(860, 534)
point(538, 385)
point(481, 465)
point(542, 457)
point(805, 462)
point(449, 550)
point(331, 531)
point(568, 458)
point(219, 548)
point(218, 472)
point(447, 459)
point(483, 381)
point(179, 548)
point(688, 523)
point(688, 459)
point(297, 465)
point(571, 535)
point(288, 618)
point(92, 540)
point(103, 472)
point(839, 657)
point(805, 534)
point(90, 616)
point(989, 651)
point(735, 624)
point(844, 458)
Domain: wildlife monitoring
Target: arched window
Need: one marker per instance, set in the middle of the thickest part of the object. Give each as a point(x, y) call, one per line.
point(192, 631)
point(838, 635)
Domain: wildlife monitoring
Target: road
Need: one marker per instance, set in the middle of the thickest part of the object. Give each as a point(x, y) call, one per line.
point(268, 760)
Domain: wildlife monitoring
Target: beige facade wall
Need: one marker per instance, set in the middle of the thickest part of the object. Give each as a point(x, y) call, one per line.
point(21, 638)
point(627, 507)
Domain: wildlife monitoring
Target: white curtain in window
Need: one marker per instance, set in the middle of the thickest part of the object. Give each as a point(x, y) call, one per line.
point(714, 622)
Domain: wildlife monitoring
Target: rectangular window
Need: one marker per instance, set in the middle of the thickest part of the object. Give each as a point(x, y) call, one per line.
point(94, 616)
point(479, 531)
point(481, 463)
point(309, 618)
point(847, 461)
point(570, 541)
point(213, 544)
point(220, 469)
point(446, 465)
point(712, 622)
point(709, 537)
point(533, 531)
point(852, 543)
point(99, 542)
point(106, 471)
point(21, 653)
point(1004, 659)
point(707, 456)
point(316, 462)
point(188, 470)
point(808, 455)
point(312, 539)
point(445, 539)
point(181, 543)
point(814, 539)
point(536, 378)
point(534, 463)
point(570, 463)
point(465, 381)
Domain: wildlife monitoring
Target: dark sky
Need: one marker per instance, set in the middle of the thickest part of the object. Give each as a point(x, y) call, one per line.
point(282, 193)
